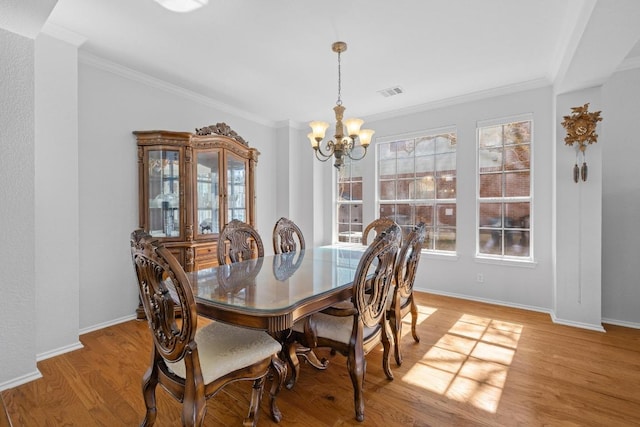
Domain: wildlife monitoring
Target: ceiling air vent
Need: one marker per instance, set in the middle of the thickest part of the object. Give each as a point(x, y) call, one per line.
point(392, 91)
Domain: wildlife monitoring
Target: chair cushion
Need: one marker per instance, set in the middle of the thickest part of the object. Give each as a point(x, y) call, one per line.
point(225, 348)
point(336, 328)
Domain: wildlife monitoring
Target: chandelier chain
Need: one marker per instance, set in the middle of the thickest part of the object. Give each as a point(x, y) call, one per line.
point(339, 101)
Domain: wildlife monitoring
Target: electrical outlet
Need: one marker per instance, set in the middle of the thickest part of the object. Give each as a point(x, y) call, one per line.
point(479, 278)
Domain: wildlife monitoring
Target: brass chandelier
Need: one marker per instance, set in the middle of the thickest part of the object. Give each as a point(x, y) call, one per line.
point(342, 144)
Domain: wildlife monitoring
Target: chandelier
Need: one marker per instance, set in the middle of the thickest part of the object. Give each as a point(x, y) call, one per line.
point(342, 144)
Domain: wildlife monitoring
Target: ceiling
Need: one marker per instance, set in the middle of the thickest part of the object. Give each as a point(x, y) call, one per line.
point(273, 59)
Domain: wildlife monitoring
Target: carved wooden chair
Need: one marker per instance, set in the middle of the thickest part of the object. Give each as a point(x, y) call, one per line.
point(287, 237)
point(194, 364)
point(378, 226)
point(239, 241)
point(401, 301)
point(355, 331)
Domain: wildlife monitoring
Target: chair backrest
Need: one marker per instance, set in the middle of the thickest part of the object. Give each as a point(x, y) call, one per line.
point(285, 234)
point(377, 225)
point(370, 292)
point(237, 241)
point(408, 259)
point(162, 283)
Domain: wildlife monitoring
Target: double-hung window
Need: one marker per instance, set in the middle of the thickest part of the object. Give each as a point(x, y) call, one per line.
point(504, 187)
point(417, 183)
point(349, 202)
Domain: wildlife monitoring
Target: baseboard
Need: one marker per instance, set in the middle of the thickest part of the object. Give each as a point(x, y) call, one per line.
point(107, 324)
point(621, 323)
point(58, 351)
point(485, 300)
point(20, 380)
point(590, 326)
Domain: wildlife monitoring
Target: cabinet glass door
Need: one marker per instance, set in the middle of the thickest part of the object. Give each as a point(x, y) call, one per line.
point(207, 203)
point(236, 188)
point(164, 193)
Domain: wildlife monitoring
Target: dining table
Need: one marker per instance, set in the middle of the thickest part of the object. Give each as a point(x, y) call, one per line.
point(272, 292)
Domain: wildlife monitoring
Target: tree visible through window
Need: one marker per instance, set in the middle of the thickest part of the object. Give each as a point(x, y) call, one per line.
point(504, 199)
point(417, 183)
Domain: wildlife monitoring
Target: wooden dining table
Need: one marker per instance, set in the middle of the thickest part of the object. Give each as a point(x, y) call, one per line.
point(272, 292)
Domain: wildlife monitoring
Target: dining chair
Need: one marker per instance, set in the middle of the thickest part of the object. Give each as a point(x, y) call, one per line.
point(193, 364)
point(287, 236)
point(377, 225)
point(355, 331)
point(401, 301)
point(239, 241)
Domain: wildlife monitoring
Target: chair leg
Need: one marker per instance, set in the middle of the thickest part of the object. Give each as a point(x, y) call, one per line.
point(149, 383)
point(414, 320)
point(256, 398)
point(279, 371)
point(386, 345)
point(396, 328)
point(357, 365)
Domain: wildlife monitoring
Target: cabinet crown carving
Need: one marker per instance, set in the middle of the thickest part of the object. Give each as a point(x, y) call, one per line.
point(222, 129)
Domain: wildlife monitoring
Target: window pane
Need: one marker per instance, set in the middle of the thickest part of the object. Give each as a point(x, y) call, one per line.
point(405, 167)
point(425, 146)
point(517, 184)
point(403, 215)
point(387, 210)
point(445, 239)
point(491, 136)
point(490, 160)
point(387, 169)
point(447, 187)
point(446, 163)
point(446, 215)
point(491, 185)
point(491, 215)
point(387, 190)
point(424, 213)
point(386, 151)
point(405, 188)
point(517, 133)
point(490, 242)
point(425, 188)
point(517, 157)
point(425, 164)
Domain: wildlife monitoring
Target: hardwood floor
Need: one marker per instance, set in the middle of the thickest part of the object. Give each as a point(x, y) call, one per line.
point(476, 364)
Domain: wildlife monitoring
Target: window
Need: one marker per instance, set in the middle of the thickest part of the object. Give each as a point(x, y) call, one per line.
point(417, 183)
point(349, 202)
point(504, 188)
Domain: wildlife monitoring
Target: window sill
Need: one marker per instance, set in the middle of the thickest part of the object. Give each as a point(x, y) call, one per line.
point(443, 256)
point(527, 263)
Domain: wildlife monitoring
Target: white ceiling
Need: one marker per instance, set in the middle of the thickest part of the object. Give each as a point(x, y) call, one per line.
point(273, 59)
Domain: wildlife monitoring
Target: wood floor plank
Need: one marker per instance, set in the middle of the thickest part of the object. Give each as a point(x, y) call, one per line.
point(475, 365)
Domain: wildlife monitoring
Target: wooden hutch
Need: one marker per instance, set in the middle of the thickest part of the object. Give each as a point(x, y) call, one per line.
point(191, 185)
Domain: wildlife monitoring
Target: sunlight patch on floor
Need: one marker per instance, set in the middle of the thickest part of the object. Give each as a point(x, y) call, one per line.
point(470, 362)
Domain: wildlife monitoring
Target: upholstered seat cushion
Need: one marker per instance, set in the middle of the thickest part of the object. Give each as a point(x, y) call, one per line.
point(336, 328)
point(225, 348)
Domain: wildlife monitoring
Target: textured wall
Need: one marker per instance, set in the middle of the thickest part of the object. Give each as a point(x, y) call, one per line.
point(17, 305)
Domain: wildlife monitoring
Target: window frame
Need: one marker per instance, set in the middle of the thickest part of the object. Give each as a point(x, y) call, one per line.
point(502, 257)
point(338, 201)
point(435, 203)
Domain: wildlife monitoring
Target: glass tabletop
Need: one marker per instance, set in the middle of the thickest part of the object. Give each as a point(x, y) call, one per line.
point(276, 282)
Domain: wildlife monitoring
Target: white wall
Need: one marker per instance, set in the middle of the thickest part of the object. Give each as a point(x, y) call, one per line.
point(112, 103)
point(621, 199)
point(578, 212)
point(526, 285)
point(17, 195)
point(57, 255)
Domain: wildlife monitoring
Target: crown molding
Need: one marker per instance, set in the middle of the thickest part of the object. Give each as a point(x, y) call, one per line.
point(462, 99)
point(128, 73)
point(63, 34)
point(629, 64)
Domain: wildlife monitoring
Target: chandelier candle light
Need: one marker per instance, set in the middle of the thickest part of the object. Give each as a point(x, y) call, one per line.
point(341, 145)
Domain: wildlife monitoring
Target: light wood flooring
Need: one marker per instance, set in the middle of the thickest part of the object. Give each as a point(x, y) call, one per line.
point(476, 364)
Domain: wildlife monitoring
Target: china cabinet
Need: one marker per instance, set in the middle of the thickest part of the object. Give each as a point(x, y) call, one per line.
point(191, 185)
